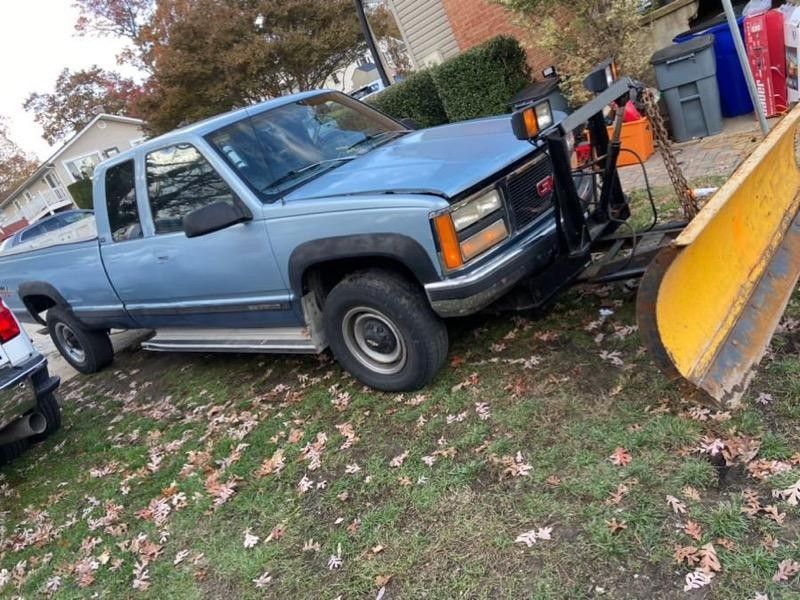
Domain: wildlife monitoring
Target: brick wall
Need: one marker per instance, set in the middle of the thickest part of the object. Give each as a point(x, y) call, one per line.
point(475, 21)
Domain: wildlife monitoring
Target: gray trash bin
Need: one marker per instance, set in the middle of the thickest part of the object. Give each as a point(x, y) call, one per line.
point(687, 77)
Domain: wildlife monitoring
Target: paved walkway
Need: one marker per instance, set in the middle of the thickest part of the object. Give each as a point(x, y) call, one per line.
point(716, 155)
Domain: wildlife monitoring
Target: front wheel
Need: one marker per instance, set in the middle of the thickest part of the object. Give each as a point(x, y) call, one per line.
point(88, 351)
point(383, 331)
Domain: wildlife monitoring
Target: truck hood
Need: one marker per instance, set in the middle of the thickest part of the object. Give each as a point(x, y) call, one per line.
point(443, 160)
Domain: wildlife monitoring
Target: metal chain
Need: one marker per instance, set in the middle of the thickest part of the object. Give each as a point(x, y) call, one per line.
point(664, 145)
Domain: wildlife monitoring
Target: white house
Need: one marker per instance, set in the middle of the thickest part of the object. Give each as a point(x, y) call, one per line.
point(45, 191)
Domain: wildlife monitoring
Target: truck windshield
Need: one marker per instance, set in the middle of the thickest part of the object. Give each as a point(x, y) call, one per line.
point(279, 149)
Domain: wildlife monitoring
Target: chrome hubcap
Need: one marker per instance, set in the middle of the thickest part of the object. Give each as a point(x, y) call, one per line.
point(69, 342)
point(374, 340)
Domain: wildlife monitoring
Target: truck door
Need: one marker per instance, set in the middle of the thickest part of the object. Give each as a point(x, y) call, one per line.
point(226, 279)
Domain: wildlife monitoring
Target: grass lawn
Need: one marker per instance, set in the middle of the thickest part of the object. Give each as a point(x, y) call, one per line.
point(550, 459)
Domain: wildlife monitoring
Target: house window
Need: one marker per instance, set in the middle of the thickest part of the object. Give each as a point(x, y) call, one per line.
point(109, 152)
point(83, 167)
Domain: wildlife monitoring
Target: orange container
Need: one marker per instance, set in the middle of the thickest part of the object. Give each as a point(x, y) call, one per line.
point(636, 136)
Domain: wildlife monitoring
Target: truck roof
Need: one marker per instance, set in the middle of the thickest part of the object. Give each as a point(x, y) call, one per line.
point(213, 123)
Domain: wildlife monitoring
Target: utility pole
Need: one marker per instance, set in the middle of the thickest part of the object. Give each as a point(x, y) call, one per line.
point(373, 48)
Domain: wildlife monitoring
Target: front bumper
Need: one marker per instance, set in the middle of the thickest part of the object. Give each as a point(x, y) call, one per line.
point(471, 292)
point(22, 386)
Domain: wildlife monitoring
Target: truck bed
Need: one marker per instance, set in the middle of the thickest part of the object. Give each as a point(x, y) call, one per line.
point(69, 261)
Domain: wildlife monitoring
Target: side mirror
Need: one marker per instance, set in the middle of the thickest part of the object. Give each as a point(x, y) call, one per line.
point(214, 217)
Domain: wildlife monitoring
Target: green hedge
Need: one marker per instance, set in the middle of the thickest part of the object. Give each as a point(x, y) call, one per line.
point(415, 98)
point(478, 83)
point(81, 192)
point(481, 81)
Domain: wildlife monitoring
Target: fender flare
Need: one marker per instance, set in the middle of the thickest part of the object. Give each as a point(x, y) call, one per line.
point(39, 288)
point(401, 248)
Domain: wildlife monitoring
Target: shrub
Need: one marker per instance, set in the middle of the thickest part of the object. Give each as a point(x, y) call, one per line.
point(481, 81)
point(81, 192)
point(413, 98)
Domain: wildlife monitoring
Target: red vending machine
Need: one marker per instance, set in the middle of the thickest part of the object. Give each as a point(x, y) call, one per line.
point(766, 50)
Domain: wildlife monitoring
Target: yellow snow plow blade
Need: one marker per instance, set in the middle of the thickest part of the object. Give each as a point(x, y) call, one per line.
point(709, 304)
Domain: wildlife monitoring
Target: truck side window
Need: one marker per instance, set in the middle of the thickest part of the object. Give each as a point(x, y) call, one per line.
point(123, 214)
point(179, 181)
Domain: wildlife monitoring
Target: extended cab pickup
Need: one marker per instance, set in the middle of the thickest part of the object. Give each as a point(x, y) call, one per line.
point(306, 222)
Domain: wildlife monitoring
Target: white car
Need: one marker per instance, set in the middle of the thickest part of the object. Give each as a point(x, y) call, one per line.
point(29, 407)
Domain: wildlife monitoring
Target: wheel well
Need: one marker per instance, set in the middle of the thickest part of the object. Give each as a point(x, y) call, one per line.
point(322, 277)
point(38, 303)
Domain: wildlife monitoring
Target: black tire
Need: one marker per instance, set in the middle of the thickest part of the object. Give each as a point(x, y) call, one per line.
point(88, 351)
point(50, 408)
point(388, 314)
point(9, 452)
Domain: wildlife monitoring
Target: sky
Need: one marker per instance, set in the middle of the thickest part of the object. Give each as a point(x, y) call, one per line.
point(37, 40)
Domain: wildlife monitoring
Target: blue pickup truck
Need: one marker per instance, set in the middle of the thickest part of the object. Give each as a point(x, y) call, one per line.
point(315, 221)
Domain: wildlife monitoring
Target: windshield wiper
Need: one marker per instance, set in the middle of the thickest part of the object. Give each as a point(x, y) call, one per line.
point(377, 136)
point(292, 174)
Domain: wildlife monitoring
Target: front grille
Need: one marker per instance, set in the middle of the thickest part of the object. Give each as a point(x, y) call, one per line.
point(524, 201)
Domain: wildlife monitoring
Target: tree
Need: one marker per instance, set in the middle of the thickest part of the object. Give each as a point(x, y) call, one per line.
point(223, 54)
point(78, 97)
point(118, 18)
point(15, 164)
point(579, 35)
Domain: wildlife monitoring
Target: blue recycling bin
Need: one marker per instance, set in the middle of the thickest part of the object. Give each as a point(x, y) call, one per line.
point(734, 95)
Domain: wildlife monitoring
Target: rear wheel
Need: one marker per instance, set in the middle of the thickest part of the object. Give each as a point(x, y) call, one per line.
point(383, 331)
point(88, 351)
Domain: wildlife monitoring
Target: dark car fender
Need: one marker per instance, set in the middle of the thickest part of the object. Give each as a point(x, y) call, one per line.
point(397, 247)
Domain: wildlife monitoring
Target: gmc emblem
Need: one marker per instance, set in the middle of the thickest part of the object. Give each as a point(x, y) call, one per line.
point(545, 187)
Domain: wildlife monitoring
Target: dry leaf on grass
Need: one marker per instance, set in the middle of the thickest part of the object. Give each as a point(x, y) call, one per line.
point(693, 530)
point(620, 457)
point(615, 526)
point(786, 570)
point(676, 505)
point(398, 460)
point(696, 580)
point(689, 554)
point(709, 562)
point(791, 495)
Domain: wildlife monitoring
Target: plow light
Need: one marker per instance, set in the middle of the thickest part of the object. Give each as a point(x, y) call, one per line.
point(532, 120)
point(602, 77)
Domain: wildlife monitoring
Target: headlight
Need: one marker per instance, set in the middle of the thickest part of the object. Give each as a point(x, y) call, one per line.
point(457, 246)
point(475, 210)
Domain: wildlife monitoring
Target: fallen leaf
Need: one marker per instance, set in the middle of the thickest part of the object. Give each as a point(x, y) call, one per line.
point(250, 540)
point(676, 505)
point(377, 549)
point(786, 570)
point(262, 580)
point(689, 554)
point(729, 545)
point(620, 457)
point(696, 580)
point(709, 563)
point(791, 494)
point(691, 493)
point(693, 530)
point(615, 526)
point(382, 580)
point(398, 460)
